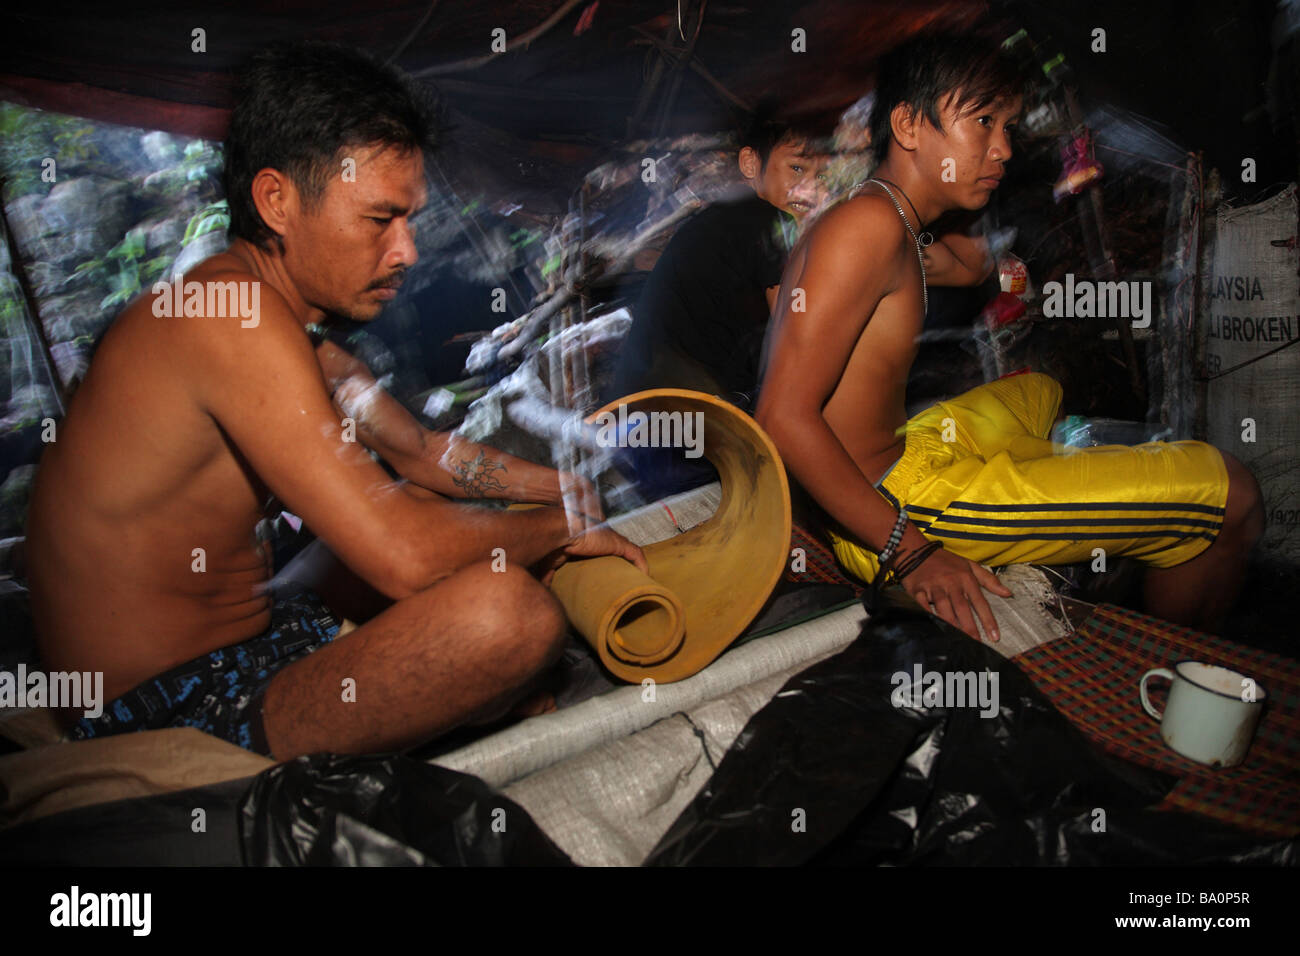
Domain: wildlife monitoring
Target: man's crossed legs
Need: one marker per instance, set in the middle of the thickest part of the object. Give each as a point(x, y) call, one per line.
point(461, 651)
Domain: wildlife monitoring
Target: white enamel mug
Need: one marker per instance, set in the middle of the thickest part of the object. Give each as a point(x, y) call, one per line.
point(1211, 714)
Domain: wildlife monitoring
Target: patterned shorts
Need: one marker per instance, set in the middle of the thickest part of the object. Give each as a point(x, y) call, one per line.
point(221, 692)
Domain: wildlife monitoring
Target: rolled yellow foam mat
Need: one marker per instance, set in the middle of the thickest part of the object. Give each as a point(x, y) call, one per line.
point(704, 586)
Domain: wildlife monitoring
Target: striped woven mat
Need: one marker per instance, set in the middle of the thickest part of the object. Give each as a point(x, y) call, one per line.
point(1092, 677)
point(816, 562)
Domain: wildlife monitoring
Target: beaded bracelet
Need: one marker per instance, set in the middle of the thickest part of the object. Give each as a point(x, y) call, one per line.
point(895, 537)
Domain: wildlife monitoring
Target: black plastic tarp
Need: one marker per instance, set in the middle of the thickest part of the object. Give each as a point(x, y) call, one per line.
point(385, 811)
point(837, 769)
point(832, 772)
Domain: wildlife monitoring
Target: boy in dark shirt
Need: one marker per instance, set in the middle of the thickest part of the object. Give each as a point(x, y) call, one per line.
point(702, 315)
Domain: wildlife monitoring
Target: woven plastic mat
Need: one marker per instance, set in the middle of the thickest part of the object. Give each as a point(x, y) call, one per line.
point(1092, 677)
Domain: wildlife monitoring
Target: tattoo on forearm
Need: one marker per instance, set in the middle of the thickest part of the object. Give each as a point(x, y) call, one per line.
point(475, 475)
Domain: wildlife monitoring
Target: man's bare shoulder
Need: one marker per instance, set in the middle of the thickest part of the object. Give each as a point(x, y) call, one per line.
point(222, 264)
point(216, 327)
point(855, 246)
point(219, 299)
point(867, 221)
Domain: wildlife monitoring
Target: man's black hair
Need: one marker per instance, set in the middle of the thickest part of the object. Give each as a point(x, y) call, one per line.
point(924, 70)
point(768, 129)
point(298, 104)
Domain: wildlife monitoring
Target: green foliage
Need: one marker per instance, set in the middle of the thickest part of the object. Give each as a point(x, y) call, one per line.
point(28, 137)
point(92, 269)
point(210, 218)
point(11, 307)
point(155, 268)
point(200, 161)
point(131, 246)
point(523, 238)
point(18, 343)
point(122, 269)
point(199, 170)
point(124, 285)
point(131, 272)
point(74, 143)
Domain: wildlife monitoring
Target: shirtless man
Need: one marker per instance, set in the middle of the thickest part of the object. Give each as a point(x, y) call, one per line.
point(142, 553)
point(975, 473)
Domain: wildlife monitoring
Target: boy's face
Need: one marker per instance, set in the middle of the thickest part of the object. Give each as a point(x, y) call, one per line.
point(968, 158)
point(791, 181)
point(350, 253)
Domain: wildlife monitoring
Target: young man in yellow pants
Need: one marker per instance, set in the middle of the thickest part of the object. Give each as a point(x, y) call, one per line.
point(975, 474)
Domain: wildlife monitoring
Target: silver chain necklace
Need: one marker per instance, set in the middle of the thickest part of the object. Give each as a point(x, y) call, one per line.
point(920, 258)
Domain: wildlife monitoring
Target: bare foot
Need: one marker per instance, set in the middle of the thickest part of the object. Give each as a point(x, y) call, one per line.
point(543, 702)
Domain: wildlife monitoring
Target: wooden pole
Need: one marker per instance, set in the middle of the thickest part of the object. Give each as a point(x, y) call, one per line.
point(1177, 329)
point(1096, 237)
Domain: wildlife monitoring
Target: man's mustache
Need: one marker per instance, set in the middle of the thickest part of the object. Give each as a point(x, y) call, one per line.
point(392, 282)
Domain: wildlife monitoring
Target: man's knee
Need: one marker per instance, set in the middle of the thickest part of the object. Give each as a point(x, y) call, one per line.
point(521, 617)
point(1244, 511)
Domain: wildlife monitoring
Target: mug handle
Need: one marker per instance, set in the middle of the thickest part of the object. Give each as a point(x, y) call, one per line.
point(1164, 672)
